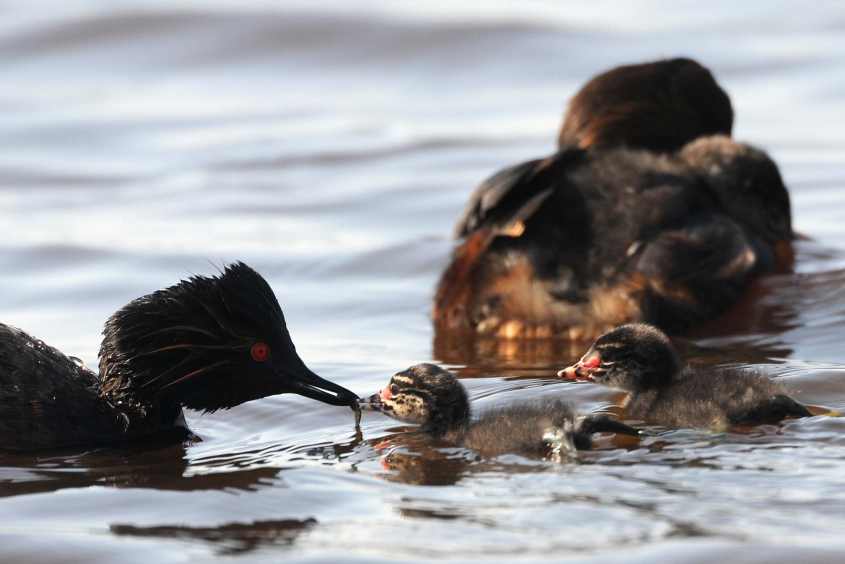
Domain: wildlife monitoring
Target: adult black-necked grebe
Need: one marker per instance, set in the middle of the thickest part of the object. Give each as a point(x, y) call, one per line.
point(586, 240)
point(428, 395)
point(206, 343)
point(640, 359)
point(551, 246)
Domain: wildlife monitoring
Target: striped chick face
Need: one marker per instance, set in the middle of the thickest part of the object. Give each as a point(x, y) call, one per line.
point(426, 395)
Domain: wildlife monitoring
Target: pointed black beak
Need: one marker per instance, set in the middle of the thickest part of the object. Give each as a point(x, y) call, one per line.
point(306, 383)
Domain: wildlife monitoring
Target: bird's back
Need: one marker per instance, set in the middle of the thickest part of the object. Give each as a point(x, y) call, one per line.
point(620, 235)
point(47, 399)
point(527, 429)
point(717, 399)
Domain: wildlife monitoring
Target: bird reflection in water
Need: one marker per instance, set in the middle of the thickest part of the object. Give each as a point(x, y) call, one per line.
point(161, 467)
point(229, 539)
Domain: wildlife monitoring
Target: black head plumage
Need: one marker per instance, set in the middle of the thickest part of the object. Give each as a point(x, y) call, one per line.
point(208, 342)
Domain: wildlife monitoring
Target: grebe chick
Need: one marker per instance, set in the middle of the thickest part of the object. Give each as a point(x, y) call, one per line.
point(206, 343)
point(428, 395)
point(640, 359)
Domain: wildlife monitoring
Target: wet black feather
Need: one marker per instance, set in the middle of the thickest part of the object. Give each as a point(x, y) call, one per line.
point(189, 343)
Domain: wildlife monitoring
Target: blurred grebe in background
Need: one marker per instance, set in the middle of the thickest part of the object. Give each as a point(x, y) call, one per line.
point(617, 226)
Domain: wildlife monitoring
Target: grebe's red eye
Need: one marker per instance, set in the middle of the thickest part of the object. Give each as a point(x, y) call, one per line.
point(260, 352)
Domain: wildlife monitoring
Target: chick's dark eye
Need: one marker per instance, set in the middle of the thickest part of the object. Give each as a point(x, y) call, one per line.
point(394, 389)
point(260, 352)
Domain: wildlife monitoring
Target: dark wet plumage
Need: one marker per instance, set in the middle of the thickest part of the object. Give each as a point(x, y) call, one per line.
point(662, 224)
point(582, 241)
point(658, 106)
point(206, 343)
point(433, 398)
point(47, 399)
point(640, 359)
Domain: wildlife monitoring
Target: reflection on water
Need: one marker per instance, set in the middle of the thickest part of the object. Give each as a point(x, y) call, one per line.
point(164, 468)
point(413, 458)
point(333, 149)
point(229, 539)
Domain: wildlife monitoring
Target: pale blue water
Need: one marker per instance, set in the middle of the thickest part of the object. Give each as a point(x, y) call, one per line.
point(332, 146)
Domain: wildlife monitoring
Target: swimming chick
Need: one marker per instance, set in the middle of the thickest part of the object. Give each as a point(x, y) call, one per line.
point(428, 395)
point(583, 241)
point(206, 343)
point(640, 360)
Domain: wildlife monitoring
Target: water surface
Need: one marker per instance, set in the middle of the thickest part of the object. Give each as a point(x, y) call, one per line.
point(332, 148)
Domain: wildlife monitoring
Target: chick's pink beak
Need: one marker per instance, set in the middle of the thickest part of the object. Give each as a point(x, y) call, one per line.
point(583, 369)
point(569, 373)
